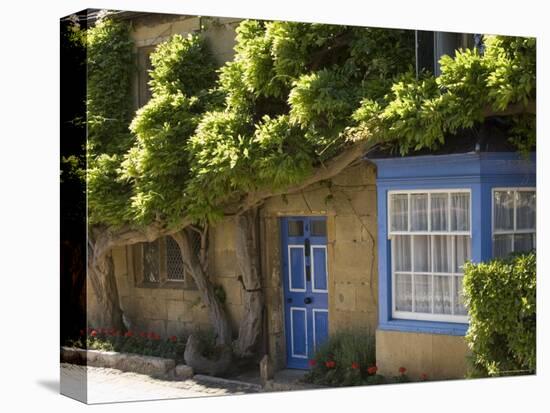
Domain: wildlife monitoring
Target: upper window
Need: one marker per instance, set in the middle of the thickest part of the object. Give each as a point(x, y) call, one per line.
point(144, 67)
point(430, 241)
point(159, 262)
point(514, 220)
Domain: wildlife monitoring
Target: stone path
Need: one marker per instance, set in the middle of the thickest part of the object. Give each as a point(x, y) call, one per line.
point(110, 385)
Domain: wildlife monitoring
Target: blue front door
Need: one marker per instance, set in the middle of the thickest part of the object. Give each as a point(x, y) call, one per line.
point(305, 282)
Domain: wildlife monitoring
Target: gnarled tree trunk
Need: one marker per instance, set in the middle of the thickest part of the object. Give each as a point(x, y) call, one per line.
point(102, 277)
point(248, 261)
point(216, 312)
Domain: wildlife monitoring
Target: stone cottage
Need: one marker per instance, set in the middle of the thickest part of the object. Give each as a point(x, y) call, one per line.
point(380, 247)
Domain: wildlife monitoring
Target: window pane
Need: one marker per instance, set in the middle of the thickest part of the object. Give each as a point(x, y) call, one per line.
point(502, 245)
point(460, 309)
point(399, 212)
point(318, 228)
point(460, 211)
point(151, 256)
point(403, 292)
point(421, 253)
point(503, 205)
point(422, 293)
point(442, 294)
point(402, 253)
point(523, 242)
point(439, 212)
point(462, 251)
point(419, 212)
point(442, 251)
point(295, 228)
point(174, 262)
point(526, 206)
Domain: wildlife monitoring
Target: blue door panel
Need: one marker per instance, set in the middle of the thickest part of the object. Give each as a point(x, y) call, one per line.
point(320, 326)
point(299, 336)
point(297, 267)
point(319, 267)
point(305, 287)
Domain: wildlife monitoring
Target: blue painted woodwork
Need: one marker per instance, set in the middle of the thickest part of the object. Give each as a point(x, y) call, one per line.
point(479, 172)
point(304, 273)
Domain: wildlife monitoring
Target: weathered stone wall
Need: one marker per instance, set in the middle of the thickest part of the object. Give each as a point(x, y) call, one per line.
point(349, 202)
point(164, 310)
point(439, 356)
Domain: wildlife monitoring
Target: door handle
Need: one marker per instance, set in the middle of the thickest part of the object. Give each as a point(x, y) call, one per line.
point(308, 273)
point(308, 300)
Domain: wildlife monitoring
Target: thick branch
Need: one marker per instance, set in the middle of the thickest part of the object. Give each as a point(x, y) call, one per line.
point(327, 171)
point(513, 109)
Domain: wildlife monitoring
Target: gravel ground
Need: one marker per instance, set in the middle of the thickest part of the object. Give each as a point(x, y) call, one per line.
point(106, 385)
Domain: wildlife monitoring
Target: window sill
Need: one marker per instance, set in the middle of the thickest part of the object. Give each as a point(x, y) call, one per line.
point(427, 327)
point(168, 285)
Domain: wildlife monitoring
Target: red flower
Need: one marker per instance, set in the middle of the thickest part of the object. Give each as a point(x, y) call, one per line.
point(142, 334)
point(372, 370)
point(330, 364)
point(355, 366)
point(93, 333)
point(152, 335)
point(173, 339)
point(129, 333)
point(312, 362)
point(423, 377)
point(402, 370)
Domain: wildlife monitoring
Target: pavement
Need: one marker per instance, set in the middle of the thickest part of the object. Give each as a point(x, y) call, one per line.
point(105, 385)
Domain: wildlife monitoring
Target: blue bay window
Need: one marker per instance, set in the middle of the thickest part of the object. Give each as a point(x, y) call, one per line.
point(437, 212)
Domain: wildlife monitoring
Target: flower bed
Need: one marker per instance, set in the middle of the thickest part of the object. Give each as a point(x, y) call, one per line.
point(348, 359)
point(134, 342)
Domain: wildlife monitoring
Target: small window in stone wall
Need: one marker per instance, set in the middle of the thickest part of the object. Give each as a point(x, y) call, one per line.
point(159, 264)
point(144, 66)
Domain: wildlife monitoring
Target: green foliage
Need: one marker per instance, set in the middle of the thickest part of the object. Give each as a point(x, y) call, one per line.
point(110, 64)
point(419, 114)
point(344, 360)
point(182, 65)
point(501, 299)
point(294, 96)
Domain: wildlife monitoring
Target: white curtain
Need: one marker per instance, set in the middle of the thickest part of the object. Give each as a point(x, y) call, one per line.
point(402, 252)
point(460, 309)
point(421, 261)
point(439, 211)
point(502, 245)
point(403, 292)
point(442, 251)
point(399, 212)
point(526, 209)
point(523, 242)
point(462, 251)
point(442, 294)
point(460, 211)
point(504, 210)
point(423, 293)
point(419, 212)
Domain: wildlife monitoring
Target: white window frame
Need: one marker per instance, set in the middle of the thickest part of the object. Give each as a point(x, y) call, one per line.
point(514, 231)
point(411, 315)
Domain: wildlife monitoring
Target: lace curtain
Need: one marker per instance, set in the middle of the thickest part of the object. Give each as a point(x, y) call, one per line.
point(428, 267)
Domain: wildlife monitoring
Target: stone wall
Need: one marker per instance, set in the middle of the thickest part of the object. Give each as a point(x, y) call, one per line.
point(349, 202)
point(437, 355)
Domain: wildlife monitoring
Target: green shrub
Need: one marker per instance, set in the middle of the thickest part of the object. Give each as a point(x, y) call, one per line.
point(501, 299)
point(344, 360)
